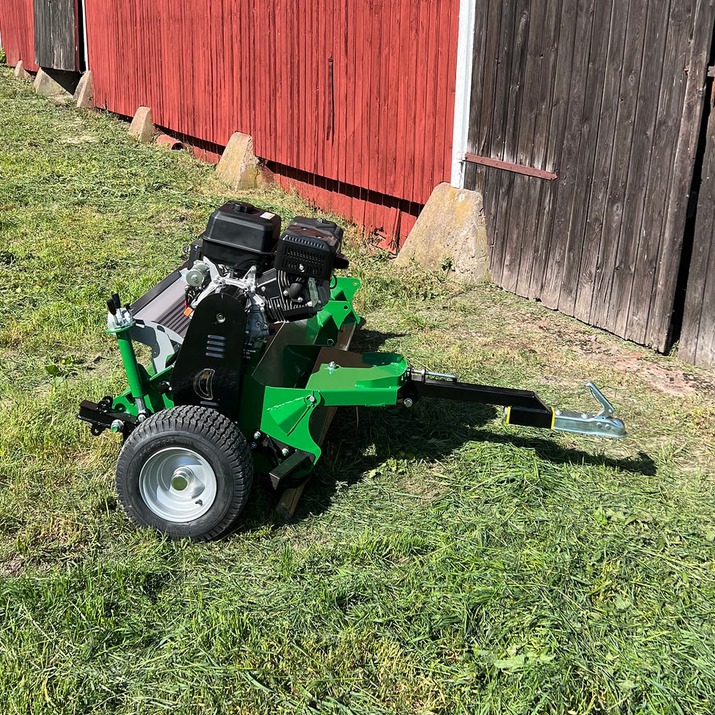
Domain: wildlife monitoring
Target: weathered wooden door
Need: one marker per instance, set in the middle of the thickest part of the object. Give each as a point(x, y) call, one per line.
point(607, 96)
point(57, 34)
point(697, 339)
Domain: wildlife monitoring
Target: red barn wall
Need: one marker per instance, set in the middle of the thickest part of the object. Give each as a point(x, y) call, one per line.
point(351, 101)
point(17, 28)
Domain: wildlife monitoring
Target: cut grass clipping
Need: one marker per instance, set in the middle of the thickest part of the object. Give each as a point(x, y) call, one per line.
point(438, 562)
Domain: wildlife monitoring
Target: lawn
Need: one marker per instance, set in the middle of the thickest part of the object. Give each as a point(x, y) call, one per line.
point(439, 562)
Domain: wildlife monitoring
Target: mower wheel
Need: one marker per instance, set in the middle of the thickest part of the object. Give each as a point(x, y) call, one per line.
point(187, 472)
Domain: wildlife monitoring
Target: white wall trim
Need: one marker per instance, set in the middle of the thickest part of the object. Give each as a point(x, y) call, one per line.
point(84, 35)
point(463, 93)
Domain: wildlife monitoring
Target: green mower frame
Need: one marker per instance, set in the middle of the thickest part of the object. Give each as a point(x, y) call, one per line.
point(190, 449)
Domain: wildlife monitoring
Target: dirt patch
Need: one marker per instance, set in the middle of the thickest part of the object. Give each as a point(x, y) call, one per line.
point(669, 379)
point(12, 567)
point(82, 139)
point(662, 373)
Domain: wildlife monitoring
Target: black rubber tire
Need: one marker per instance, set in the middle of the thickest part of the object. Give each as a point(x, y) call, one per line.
point(216, 439)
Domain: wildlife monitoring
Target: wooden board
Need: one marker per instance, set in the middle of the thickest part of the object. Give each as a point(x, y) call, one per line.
point(669, 250)
point(613, 242)
point(697, 340)
point(288, 502)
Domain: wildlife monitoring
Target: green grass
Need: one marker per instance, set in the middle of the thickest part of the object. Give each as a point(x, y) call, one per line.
point(439, 562)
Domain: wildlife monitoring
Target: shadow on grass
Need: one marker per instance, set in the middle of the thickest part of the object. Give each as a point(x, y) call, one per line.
point(359, 442)
point(368, 341)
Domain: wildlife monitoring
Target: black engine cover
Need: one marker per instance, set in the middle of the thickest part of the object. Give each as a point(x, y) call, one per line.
point(208, 367)
point(240, 235)
point(308, 248)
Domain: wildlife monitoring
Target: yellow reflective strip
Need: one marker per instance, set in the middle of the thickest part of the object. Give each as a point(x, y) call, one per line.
point(508, 415)
point(553, 417)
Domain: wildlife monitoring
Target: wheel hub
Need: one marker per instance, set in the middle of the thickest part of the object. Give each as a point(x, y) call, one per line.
point(177, 484)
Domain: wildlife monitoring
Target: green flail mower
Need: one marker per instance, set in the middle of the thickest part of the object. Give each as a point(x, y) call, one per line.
point(249, 360)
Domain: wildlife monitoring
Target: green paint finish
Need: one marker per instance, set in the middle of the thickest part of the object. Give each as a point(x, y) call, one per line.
point(287, 412)
point(286, 417)
point(141, 381)
point(131, 366)
point(373, 385)
point(336, 314)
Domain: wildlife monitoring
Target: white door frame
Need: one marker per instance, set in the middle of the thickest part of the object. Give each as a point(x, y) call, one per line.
point(463, 89)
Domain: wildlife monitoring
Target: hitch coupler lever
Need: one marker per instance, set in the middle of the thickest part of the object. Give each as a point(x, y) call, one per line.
point(603, 424)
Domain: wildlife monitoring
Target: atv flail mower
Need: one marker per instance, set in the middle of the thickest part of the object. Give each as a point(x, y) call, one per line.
point(249, 360)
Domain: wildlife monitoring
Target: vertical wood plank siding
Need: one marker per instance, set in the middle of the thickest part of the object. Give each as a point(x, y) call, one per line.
point(18, 33)
point(608, 95)
point(57, 34)
point(697, 339)
point(351, 101)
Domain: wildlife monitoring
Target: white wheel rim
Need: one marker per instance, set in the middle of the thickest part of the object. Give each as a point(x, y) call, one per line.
point(177, 484)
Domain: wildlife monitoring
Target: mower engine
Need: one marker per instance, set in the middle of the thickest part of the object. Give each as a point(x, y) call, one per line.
point(283, 277)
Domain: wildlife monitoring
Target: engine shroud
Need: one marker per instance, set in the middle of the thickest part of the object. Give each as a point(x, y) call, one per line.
point(240, 235)
point(308, 248)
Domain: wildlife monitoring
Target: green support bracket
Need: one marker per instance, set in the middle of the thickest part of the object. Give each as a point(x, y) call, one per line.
point(131, 365)
point(156, 399)
point(374, 384)
point(287, 411)
point(286, 418)
point(336, 314)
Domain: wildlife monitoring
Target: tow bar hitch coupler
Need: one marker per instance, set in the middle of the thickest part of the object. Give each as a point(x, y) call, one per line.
point(603, 424)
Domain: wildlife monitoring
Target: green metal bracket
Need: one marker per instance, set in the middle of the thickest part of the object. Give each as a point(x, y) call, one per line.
point(155, 398)
point(133, 369)
point(287, 411)
point(336, 314)
point(375, 384)
point(143, 386)
point(286, 418)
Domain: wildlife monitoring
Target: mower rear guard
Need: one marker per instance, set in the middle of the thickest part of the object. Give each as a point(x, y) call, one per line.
point(297, 417)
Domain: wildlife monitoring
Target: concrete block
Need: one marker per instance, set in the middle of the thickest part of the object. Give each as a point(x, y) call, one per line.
point(450, 234)
point(142, 126)
point(84, 94)
point(20, 72)
point(238, 166)
point(53, 85)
